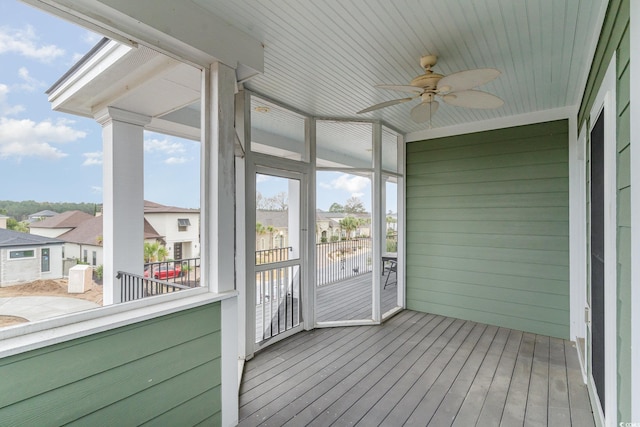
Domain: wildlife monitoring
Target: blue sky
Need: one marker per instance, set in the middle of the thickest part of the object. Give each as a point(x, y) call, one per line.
point(55, 157)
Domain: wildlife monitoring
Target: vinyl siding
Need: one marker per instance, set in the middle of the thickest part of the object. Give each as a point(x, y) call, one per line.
point(488, 227)
point(614, 38)
point(164, 371)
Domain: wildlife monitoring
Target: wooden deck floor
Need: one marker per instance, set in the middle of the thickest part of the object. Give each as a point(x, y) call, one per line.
point(351, 299)
point(415, 369)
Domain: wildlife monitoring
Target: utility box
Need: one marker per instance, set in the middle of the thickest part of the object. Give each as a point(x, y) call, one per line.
point(80, 278)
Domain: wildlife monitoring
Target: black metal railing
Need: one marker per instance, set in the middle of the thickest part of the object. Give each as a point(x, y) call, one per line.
point(160, 278)
point(134, 287)
point(185, 272)
point(341, 260)
point(268, 256)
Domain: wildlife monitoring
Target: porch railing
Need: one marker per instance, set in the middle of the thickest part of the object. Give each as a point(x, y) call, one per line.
point(134, 287)
point(268, 256)
point(160, 278)
point(343, 259)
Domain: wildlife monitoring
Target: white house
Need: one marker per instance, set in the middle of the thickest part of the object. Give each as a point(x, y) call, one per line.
point(3, 221)
point(25, 257)
point(180, 228)
point(84, 242)
point(58, 224)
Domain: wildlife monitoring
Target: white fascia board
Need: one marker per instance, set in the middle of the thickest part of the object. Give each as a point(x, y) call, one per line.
point(168, 127)
point(188, 32)
point(96, 65)
point(499, 123)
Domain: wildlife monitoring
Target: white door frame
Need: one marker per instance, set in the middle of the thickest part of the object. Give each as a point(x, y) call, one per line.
point(606, 102)
point(265, 164)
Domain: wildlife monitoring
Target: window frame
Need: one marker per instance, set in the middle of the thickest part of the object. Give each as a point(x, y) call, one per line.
point(42, 260)
point(33, 256)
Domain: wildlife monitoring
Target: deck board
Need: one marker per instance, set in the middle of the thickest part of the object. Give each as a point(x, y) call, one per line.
point(415, 369)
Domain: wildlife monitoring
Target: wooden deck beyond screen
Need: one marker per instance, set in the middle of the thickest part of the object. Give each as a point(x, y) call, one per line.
point(415, 369)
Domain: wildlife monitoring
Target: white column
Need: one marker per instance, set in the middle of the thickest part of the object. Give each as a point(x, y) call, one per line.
point(218, 225)
point(123, 196)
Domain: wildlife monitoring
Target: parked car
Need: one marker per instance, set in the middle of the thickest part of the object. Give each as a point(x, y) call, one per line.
point(163, 272)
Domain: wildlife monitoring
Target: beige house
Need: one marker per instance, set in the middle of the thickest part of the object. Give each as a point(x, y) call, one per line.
point(3, 221)
point(59, 224)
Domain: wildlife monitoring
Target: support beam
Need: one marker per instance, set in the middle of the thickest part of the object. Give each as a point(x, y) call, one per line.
point(218, 223)
point(123, 196)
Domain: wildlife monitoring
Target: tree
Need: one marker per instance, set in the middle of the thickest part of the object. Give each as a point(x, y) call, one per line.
point(271, 229)
point(151, 251)
point(354, 205)
point(336, 207)
point(163, 252)
point(20, 226)
point(349, 224)
point(280, 201)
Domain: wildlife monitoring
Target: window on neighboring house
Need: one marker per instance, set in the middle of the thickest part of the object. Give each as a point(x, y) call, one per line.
point(44, 260)
point(183, 223)
point(62, 251)
point(26, 253)
point(84, 256)
point(94, 256)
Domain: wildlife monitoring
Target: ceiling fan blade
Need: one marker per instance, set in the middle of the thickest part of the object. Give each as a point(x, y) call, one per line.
point(473, 99)
point(401, 88)
point(468, 79)
point(386, 104)
point(424, 111)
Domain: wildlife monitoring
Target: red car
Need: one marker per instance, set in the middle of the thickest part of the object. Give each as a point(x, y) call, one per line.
point(163, 272)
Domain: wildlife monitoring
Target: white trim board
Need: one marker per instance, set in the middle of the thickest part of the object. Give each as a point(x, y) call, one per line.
point(606, 99)
point(635, 210)
point(500, 123)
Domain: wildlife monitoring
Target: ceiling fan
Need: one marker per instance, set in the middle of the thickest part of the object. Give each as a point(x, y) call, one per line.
point(455, 89)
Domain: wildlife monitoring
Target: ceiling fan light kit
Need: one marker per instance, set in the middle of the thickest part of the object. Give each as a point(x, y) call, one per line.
point(456, 89)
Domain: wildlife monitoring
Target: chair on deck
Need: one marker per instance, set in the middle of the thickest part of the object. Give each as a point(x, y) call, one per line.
point(393, 268)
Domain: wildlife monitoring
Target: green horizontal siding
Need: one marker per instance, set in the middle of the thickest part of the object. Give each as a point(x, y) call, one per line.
point(488, 226)
point(156, 371)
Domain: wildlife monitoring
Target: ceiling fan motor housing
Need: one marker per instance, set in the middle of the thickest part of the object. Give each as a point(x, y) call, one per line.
point(428, 81)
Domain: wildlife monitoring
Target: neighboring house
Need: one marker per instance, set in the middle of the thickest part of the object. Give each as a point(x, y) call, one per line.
point(59, 224)
point(84, 242)
point(42, 215)
point(328, 225)
point(180, 228)
point(3, 221)
point(25, 257)
point(273, 231)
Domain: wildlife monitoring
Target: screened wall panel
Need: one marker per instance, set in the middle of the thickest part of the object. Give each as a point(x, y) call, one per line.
point(488, 227)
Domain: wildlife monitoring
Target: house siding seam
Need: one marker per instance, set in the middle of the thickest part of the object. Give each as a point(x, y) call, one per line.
point(489, 219)
point(164, 371)
point(614, 38)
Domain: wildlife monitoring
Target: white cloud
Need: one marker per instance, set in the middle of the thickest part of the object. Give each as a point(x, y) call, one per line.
point(91, 38)
point(91, 159)
point(24, 42)
point(262, 178)
point(96, 189)
point(30, 84)
point(164, 146)
point(351, 184)
point(26, 138)
point(5, 108)
point(176, 160)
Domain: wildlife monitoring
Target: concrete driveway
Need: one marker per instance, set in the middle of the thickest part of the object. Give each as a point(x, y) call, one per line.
point(38, 308)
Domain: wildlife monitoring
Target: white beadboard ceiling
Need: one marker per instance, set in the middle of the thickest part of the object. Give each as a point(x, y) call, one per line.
point(324, 56)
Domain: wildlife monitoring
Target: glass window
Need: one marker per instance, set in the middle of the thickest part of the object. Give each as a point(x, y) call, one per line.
point(27, 253)
point(44, 260)
point(84, 256)
point(94, 256)
point(344, 144)
point(277, 131)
